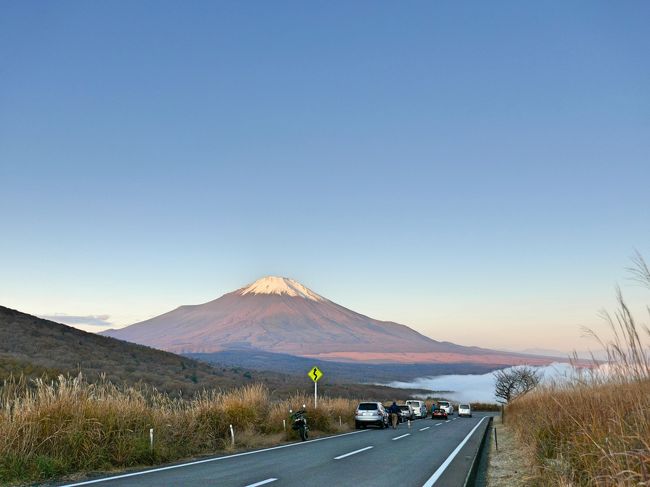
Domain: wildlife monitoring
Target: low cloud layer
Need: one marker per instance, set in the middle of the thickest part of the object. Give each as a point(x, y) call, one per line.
point(99, 321)
point(475, 388)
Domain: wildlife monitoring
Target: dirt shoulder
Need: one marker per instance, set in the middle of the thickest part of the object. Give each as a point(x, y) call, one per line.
point(509, 466)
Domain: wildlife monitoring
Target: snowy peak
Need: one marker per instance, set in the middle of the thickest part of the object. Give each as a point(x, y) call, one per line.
point(282, 286)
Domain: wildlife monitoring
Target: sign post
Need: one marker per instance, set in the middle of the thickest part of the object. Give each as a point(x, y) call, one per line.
point(315, 374)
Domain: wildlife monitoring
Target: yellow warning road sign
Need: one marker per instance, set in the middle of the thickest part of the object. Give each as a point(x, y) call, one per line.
point(315, 374)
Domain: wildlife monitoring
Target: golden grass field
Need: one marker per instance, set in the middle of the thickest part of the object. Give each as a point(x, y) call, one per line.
point(594, 430)
point(52, 429)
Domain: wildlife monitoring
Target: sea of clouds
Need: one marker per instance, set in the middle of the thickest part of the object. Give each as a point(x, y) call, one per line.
point(477, 388)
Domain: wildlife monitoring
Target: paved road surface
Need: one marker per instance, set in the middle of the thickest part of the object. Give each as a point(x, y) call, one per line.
point(432, 452)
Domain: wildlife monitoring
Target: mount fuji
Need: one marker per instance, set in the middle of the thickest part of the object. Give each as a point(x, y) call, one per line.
point(280, 315)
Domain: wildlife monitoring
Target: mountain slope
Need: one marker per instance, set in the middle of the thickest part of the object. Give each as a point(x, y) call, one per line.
point(35, 347)
point(280, 315)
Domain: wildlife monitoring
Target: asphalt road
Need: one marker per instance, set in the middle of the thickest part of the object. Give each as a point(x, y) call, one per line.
point(431, 452)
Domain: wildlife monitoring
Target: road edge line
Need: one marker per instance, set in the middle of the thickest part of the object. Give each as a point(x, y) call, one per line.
point(473, 469)
point(207, 460)
point(441, 469)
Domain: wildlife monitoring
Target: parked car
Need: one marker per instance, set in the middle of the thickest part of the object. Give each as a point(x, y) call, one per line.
point(464, 410)
point(370, 413)
point(447, 406)
point(406, 413)
point(419, 408)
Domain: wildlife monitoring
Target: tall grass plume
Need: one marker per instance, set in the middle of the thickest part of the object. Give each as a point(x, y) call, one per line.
point(594, 429)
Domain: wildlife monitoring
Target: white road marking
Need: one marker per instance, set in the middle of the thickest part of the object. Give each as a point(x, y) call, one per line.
point(353, 453)
point(208, 460)
point(436, 475)
point(437, 424)
point(425, 428)
point(263, 482)
point(398, 437)
point(448, 421)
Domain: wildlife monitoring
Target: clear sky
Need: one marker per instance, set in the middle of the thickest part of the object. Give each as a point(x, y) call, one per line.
point(476, 170)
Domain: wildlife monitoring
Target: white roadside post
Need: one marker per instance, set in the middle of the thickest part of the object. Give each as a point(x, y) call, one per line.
point(151, 438)
point(232, 435)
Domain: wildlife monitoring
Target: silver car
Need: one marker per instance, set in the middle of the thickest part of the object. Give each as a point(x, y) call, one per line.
point(370, 413)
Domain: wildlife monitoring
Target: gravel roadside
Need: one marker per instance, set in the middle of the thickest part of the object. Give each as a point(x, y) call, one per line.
point(509, 466)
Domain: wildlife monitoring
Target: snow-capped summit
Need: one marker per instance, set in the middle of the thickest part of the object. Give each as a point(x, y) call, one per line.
point(282, 286)
point(280, 315)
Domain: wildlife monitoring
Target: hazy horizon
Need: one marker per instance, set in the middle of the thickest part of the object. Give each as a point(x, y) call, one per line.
point(477, 172)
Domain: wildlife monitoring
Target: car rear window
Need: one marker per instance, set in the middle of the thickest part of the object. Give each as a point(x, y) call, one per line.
point(443, 403)
point(368, 406)
point(404, 408)
point(464, 406)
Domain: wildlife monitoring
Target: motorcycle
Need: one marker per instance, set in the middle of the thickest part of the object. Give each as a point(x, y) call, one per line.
point(299, 423)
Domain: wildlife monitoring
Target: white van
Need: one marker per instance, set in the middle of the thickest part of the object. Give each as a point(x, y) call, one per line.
point(464, 410)
point(419, 408)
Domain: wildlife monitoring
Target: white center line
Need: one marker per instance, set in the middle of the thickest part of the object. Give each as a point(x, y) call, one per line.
point(353, 453)
point(398, 437)
point(448, 421)
point(207, 460)
point(267, 481)
point(437, 424)
point(426, 428)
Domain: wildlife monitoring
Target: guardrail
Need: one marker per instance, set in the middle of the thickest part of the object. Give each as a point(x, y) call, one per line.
point(472, 479)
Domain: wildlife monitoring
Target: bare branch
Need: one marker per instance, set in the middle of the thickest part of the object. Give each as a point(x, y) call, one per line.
point(515, 382)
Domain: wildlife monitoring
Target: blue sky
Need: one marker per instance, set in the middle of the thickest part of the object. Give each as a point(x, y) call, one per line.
point(477, 171)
